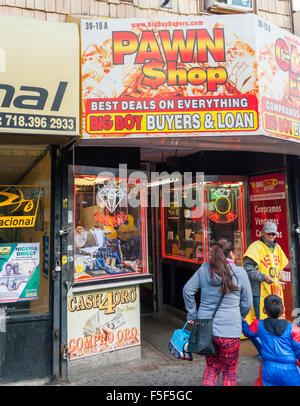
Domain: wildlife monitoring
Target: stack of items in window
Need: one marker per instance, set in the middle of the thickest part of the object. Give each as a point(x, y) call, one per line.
point(107, 249)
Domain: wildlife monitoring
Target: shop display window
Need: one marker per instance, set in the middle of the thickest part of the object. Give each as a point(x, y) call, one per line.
point(109, 233)
point(25, 247)
point(225, 215)
point(187, 233)
point(183, 225)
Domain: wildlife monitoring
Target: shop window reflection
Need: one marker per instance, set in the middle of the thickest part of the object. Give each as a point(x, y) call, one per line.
point(109, 234)
point(225, 215)
point(183, 226)
point(188, 233)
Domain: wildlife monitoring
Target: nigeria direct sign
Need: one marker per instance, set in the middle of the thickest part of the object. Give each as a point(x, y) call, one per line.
point(19, 272)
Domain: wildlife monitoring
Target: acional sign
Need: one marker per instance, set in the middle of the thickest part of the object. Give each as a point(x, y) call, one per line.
point(19, 272)
point(101, 321)
point(39, 77)
point(206, 75)
point(19, 205)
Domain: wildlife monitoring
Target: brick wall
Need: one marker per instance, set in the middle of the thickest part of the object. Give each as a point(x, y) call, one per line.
point(57, 10)
point(275, 11)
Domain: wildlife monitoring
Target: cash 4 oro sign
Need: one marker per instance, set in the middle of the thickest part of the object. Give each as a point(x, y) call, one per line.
point(19, 272)
point(19, 205)
point(102, 321)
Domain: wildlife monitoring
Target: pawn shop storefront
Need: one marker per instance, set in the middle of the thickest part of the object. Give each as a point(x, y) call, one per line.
point(39, 113)
point(190, 95)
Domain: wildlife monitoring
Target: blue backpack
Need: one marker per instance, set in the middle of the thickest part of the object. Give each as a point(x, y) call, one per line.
point(178, 345)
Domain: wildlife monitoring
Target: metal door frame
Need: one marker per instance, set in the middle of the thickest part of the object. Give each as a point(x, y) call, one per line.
point(59, 264)
point(55, 259)
point(293, 182)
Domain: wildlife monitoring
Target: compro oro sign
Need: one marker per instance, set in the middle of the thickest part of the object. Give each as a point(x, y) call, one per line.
point(39, 76)
point(193, 75)
point(101, 321)
point(19, 205)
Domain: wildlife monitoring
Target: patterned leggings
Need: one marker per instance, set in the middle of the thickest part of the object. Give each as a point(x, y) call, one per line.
point(225, 359)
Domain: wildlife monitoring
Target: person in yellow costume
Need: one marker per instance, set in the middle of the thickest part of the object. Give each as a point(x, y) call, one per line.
point(264, 260)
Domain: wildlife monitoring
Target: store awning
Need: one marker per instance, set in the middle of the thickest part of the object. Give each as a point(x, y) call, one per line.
point(254, 143)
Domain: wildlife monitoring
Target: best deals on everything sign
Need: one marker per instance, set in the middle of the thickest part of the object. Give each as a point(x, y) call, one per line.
point(173, 77)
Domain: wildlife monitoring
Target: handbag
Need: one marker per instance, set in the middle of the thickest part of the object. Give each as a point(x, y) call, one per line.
point(179, 343)
point(200, 341)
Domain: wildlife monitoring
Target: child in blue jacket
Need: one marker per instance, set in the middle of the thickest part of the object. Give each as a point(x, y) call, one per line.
point(280, 345)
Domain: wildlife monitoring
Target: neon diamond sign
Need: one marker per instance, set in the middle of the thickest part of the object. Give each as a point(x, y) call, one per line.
point(110, 196)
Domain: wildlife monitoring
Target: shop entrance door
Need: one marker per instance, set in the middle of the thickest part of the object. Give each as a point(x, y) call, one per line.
point(25, 278)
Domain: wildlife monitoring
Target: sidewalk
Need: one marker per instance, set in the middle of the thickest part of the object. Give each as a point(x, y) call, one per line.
point(154, 369)
point(157, 367)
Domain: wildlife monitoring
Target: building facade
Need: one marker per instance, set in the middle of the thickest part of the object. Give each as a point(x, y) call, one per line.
point(274, 11)
point(100, 262)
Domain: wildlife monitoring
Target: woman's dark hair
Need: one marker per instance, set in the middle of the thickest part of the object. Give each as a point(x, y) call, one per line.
point(225, 243)
point(273, 306)
point(220, 266)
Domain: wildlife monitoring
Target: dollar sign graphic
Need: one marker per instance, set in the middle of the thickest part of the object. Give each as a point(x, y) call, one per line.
point(154, 75)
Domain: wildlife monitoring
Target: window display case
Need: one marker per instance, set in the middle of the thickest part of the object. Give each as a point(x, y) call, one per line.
point(225, 215)
point(109, 232)
point(188, 232)
point(183, 225)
